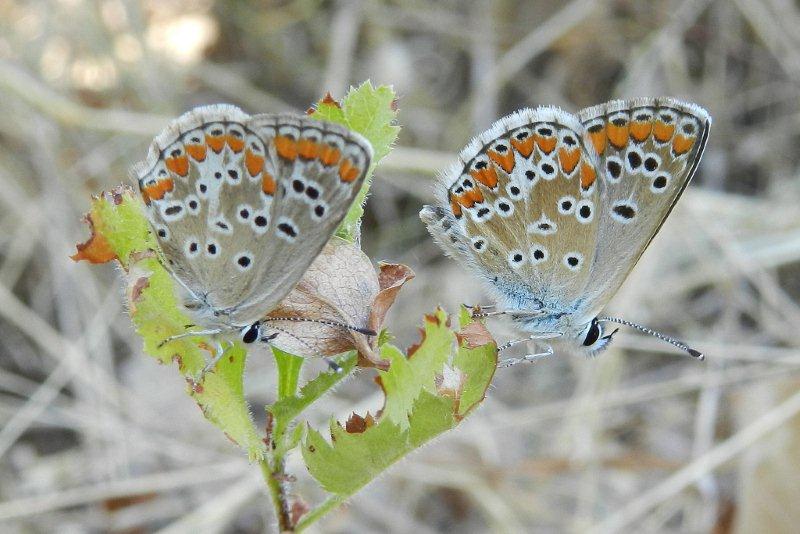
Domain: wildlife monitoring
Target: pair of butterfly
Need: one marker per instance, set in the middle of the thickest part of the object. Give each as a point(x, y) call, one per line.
point(551, 210)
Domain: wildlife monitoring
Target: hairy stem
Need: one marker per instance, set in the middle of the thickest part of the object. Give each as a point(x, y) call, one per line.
point(273, 470)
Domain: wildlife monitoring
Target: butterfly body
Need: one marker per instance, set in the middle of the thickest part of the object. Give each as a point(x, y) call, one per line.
point(553, 210)
point(242, 205)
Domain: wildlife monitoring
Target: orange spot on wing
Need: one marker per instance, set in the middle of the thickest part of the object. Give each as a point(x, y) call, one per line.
point(268, 184)
point(329, 155)
point(617, 135)
point(682, 144)
point(347, 171)
point(524, 147)
point(471, 197)
point(216, 142)
point(307, 149)
point(286, 147)
point(253, 162)
point(546, 144)
point(157, 190)
point(236, 143)
point(487, 176)
point(599, 139)
point(178, 165)
point(588, 175)
point(568, 159)
point(455, 207)
point(197, 152)
point(640, 131)
point(505, 160)
point(663, 132)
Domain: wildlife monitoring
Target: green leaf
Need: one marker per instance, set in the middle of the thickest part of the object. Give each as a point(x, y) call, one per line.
point(287, 408)
point(289, 367)
point(371, 112)
point(427, 393)
point(407, 377)
point(118, 220)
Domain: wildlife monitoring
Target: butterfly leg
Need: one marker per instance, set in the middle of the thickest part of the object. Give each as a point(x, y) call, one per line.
point(190, 334)
point(532, 337)
point(219, 353)
point(494, 313)
point(530, 358)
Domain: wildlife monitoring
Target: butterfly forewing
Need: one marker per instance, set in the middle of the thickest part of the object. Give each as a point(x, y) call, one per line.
point(521, 207)
point(219, 189)
point(649, 149)
point(320, 168)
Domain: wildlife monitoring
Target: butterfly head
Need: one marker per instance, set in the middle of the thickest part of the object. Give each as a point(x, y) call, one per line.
point(593, 338)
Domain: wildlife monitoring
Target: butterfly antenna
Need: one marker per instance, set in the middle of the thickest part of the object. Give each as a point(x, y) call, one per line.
point(359, 329)
point(672, 341)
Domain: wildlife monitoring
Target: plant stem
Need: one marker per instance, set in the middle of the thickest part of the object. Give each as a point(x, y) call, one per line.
point(274, 477)
point(318, 512)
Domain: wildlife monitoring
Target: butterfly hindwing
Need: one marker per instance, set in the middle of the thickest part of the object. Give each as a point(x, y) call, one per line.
point(520, 207)
point(219, 189)
point(649, 149)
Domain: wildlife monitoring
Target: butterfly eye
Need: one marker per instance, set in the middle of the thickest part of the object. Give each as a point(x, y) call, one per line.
point(593, 333)
point(593, 338)
point(250, 333)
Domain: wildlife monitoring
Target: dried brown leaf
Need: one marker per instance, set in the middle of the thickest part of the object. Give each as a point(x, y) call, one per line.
point(475, 335)
point(341, 286)
point(356, 424)
point(96, 249)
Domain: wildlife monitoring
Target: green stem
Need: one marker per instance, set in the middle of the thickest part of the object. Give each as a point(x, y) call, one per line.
point(318, 512)
point(277, 492)
point(273, 467)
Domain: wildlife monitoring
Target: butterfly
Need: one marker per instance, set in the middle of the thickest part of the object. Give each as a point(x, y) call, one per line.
point(242, 205)
point(553, 210)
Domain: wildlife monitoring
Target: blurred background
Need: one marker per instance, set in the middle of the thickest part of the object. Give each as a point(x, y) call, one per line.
point(97, 437)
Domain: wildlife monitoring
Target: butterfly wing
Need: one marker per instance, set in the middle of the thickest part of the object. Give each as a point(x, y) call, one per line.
point(320, 168)
point(519, 208)
point(649, 150)
point(218, 186)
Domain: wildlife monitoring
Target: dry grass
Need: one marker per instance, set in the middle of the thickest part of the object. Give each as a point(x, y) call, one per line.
point(95, 436)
